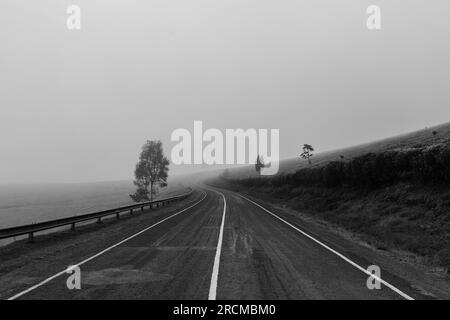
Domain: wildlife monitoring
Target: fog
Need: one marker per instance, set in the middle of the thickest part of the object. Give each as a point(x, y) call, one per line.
point(76, 106)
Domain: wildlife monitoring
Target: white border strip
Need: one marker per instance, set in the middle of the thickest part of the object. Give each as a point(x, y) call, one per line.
point(215, 273)
point(387, 284)
point(102, 252)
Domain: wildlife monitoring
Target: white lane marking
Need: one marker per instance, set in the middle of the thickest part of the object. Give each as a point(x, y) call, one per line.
point(387, 284)
point(104, 251)
point(215, 273)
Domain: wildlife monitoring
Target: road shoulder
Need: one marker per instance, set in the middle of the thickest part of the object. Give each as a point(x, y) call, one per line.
point(399, 267)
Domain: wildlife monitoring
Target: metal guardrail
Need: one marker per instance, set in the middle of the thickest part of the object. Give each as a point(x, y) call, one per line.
point(46, 225)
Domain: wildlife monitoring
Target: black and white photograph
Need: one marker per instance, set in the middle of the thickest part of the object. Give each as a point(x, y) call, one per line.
point(224, 158)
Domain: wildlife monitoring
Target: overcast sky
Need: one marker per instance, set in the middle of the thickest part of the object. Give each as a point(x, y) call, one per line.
point(77, 105)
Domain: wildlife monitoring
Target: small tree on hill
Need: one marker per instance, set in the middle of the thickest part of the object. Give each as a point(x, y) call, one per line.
point(151, 171)
point(259, 164)
point(435, 133)
point(307, 152)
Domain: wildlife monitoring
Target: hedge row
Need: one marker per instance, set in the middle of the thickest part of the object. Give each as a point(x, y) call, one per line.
point(426, 166)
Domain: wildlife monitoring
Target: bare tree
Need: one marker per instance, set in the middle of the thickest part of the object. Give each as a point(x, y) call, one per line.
point(307, 152)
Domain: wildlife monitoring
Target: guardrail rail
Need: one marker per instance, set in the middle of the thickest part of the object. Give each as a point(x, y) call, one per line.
point(31, 229)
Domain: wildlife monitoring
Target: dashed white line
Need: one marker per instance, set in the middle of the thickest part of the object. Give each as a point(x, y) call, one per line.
point(102, 252)
point(215, 273)
point(387, 284)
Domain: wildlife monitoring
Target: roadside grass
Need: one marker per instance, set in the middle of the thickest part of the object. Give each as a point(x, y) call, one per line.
point(393, 192)
point(401, 216)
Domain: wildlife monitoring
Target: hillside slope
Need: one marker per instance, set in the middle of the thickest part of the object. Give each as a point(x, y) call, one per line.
point(416, 139)
point(393, 193)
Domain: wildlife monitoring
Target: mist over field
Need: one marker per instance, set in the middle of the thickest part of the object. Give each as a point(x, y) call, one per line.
point(26, 204)
point(83, 102)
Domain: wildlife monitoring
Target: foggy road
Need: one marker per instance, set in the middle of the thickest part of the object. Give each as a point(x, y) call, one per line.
point(222, 246)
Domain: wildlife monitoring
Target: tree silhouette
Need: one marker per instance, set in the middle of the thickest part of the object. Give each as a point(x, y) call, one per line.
point(434, 135)
point(307, 152)
point(259, 164)
point(151, 171)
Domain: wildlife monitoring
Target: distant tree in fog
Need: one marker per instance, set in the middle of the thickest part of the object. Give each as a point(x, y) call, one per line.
point(151, 171)
point(434, 135)
point(307, 152)
point(259, 164)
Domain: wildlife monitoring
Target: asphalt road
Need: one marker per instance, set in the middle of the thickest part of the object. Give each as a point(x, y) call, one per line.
point(204, 251)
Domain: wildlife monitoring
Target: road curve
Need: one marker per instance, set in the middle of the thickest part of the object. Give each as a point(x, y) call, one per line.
point(223, 247)
point(172, 260)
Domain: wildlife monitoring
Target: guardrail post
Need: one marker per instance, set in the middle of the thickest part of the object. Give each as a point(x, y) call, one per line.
point(142, 209)
point(31, 237)
point(131, 212)
point(72, 227)
point(117, 215)
point(99, 220)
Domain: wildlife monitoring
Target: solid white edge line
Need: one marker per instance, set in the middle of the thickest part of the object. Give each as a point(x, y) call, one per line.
point(104, 251)
point(387, 284)
point(215, 272)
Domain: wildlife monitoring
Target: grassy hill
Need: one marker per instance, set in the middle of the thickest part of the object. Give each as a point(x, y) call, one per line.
point(394, 193)
point(416, 139)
